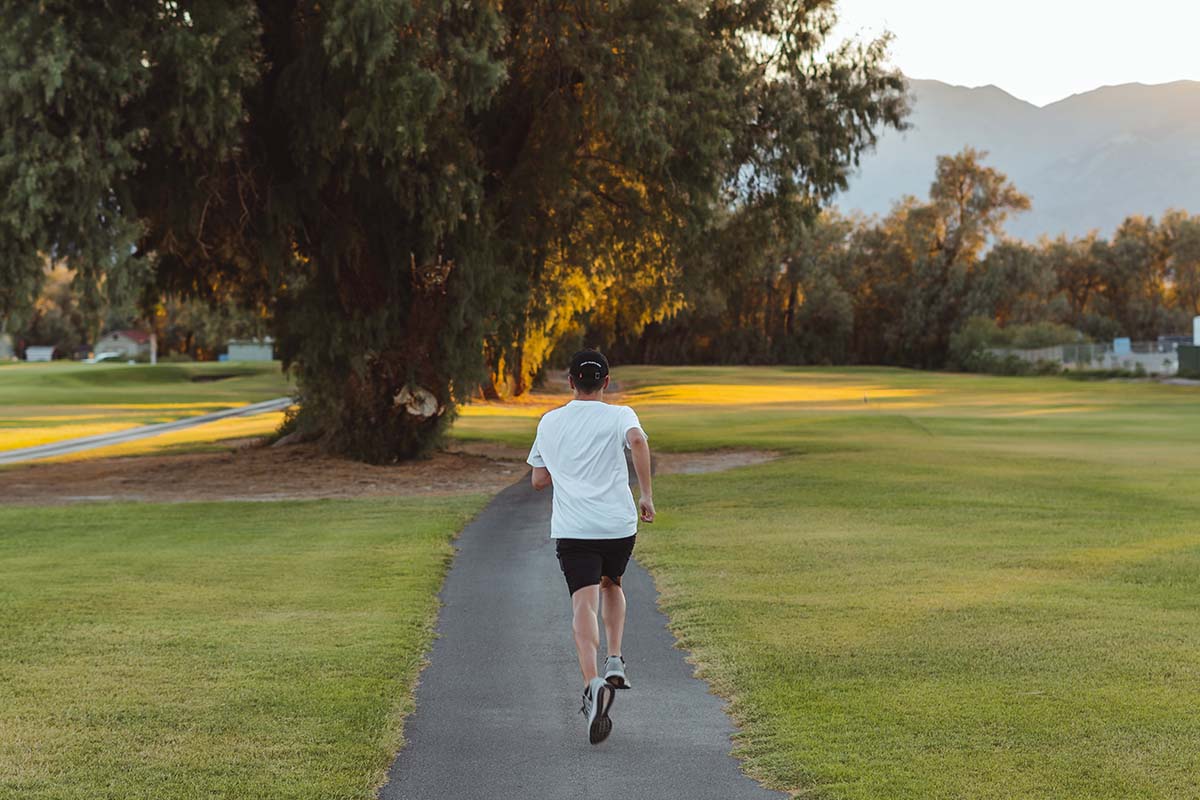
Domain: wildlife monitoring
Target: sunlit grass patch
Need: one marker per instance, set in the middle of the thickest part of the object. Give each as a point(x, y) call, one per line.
point(17, 430)
point(807, 394)
point(510, 422)
point(48, 403)
point(32, 436)
point(200, 437)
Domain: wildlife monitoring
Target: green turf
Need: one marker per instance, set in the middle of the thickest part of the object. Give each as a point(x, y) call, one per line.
point(78, 384)
point(963, 587)
point(235, 650)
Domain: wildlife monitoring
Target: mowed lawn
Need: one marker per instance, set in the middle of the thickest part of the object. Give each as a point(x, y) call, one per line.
point(235, 650)
point(948, 586)
point(44, 403)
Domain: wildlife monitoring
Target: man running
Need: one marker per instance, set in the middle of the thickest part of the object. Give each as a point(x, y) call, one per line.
point(580, 450)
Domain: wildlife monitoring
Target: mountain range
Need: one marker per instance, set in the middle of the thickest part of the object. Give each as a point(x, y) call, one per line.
point(1086, 162)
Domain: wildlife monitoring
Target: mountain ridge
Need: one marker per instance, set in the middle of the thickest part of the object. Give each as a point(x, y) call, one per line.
point(1087, 161)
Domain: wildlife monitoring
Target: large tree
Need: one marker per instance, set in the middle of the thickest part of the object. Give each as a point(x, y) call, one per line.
point(419, 190)
point(1135, 268)
point(1182, 235)
point(924, 259)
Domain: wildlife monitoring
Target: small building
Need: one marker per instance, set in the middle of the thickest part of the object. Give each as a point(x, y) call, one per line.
point(251, 349)
point(40, 353)
point(129, 343)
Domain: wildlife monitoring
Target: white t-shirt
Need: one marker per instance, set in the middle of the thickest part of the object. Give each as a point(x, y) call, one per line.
point(583, 445)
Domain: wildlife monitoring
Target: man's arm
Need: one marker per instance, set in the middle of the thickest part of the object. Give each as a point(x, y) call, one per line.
point(540, 478)
point(640, 451)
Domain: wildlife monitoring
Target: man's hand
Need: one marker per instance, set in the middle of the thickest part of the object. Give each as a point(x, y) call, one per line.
point(646, 509)
point(540, 478)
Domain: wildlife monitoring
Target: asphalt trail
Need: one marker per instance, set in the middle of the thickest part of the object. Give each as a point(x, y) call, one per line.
point(497, 708)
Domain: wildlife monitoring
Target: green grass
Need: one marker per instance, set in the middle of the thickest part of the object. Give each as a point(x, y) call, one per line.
point(233, 650)
point(963, 587)
point(43, 403)
point(74, 383)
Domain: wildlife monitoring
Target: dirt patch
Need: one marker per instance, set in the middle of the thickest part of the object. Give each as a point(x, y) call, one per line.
point(712, 461)
point(254, 473)
point(493, 450)
point(664, 463)
point(249, 471)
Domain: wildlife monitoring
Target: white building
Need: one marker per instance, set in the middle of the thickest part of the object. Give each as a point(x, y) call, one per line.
point(129, 343)
point(252, 349)
point(39, 353)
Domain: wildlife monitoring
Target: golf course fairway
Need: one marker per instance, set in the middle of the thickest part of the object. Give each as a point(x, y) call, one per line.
point(943, 586)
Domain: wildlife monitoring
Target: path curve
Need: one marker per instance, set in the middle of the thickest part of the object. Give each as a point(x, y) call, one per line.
point(496, 708)
point(68, 446)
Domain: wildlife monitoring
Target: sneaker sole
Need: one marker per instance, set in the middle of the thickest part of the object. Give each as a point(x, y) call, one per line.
point(617, 681)
point(602, 725)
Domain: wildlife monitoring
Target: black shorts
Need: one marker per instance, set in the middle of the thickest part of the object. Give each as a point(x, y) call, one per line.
point(584, 561)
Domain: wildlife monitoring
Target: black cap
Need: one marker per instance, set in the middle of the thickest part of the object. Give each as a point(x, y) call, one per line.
point(589, 368)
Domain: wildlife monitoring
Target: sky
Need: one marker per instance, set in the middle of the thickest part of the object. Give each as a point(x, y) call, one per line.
point(1037, 50)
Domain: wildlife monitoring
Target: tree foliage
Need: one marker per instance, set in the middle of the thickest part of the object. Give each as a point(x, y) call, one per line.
point(626, 129)
point(427, 195)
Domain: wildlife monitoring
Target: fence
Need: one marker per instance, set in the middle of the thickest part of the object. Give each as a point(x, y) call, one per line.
point(1154, 358)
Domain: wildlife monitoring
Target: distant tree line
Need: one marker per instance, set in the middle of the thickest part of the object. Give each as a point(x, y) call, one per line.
point(64, 314)
point(926, 286)
point(930, 285)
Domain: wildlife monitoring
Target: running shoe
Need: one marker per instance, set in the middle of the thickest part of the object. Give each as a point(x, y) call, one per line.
point(597, 700)
point(614, 673)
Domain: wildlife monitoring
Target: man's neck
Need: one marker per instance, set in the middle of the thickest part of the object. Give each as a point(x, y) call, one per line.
point(593, 396)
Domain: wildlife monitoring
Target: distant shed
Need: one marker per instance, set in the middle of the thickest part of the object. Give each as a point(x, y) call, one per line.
point(37, 353)
point(129, 343)
point(252, 349)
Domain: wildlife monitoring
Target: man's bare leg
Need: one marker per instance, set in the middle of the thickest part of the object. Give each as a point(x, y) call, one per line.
point(612, 599)
point(586, 603)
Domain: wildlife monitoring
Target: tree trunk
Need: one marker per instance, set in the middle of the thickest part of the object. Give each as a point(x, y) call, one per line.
point(378, 385)
point(789, 317)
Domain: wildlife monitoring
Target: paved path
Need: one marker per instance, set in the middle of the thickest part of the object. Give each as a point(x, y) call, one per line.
point(496, 709)
point(118, 437)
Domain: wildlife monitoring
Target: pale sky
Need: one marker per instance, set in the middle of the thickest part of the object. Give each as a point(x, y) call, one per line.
point(1037, 50)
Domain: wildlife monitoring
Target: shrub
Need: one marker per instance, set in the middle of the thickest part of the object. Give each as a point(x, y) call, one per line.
point(971, 346)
